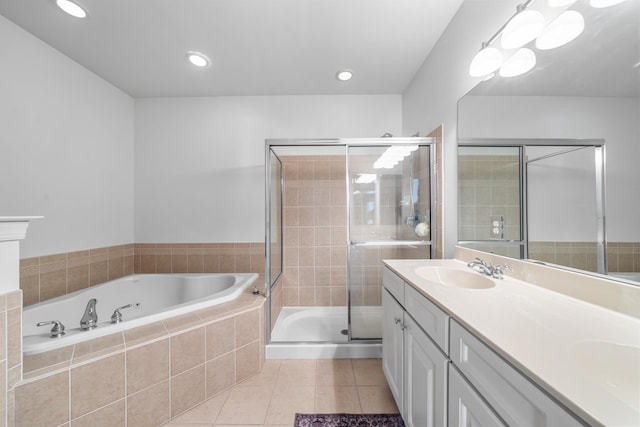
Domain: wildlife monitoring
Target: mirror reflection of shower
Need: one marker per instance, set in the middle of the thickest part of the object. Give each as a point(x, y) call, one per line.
point(534, 199)
point(343, 212)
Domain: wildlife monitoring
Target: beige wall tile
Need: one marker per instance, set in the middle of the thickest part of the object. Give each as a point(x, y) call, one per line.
point(149, 407)
point(109, 373)
point(43, 402)
point(247, 327)
point(187, 350)
point(147, 365)
point(49, 360)
point(98, 347)
point(247, 361)
point(109, 416)
point(142, 334)
point(220, 373)
point(220, 338)
point(187, 390)
point(14, 337)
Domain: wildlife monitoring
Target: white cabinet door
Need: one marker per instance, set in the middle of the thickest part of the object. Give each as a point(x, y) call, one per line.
point(393, 345)
point(466, 408)
point(425, 403)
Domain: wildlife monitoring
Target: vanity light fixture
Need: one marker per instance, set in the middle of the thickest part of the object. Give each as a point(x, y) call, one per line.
point(521, 62)
point(561, 30)
point(524, 27)
point(604, 3)
point(344, 75)
point(72, 8)
point(488, 60)
point(198, 59)
point(560, 3)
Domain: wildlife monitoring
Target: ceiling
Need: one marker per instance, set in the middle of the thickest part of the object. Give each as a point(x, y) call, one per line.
point(602, 61)
point(257, 47)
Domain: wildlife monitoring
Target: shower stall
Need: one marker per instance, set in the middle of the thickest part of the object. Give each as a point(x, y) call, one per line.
point(334, 210)
point(534, 199)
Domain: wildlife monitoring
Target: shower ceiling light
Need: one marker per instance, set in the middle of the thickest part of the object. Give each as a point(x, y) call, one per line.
point(521, 62)
point(344, 75)
point(488, 60)
point(198, 59)
point(73, 9)
point(366, 178)
point(524, 27)
point(561, 31)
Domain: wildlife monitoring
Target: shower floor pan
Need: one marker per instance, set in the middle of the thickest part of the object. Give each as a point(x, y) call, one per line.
point(320, 332)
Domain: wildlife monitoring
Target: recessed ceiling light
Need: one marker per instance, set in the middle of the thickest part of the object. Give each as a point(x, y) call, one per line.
point(73, 9)
point(344, 75)
point(198, 59)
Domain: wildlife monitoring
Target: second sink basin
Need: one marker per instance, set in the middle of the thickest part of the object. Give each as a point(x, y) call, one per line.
point(455, 277)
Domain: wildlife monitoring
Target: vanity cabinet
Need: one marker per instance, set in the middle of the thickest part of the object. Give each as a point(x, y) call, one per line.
point(415, 367)
point(441, 374)
point(511, 395)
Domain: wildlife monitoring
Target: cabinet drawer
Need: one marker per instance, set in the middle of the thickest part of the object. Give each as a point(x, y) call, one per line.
point(513, 396)
point(394, 284)
point(466, 408)
point(430, 317)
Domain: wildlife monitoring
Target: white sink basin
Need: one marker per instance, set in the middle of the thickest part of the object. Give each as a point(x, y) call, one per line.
point(615, 367)
point(455, 277)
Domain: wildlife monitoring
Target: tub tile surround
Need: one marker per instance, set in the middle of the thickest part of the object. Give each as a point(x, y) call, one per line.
point(47, 277)
point(146, 375)
point(10, 351)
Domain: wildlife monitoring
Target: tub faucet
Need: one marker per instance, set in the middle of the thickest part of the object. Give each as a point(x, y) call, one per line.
point(90, 318)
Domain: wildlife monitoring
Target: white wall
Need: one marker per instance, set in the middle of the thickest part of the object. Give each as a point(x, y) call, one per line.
point(613, 119)
point(199, 162)
point(431, 99)
point(66, 148)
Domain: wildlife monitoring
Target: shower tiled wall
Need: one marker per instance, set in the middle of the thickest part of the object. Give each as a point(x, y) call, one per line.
point(315, 231)
point(46, 277)
point(488, 186)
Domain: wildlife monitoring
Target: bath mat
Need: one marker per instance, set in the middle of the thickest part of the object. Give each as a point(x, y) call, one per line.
point(348, 420)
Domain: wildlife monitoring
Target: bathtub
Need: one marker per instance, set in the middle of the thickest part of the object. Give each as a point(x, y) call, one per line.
point(160, 296)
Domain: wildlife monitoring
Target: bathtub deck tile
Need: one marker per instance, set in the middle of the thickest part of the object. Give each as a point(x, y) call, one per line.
point(98, 347)
point(38, 364)
point(144, 334)
point(181, 323)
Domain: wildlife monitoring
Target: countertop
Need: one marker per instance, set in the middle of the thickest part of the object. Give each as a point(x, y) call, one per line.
point(584, 355)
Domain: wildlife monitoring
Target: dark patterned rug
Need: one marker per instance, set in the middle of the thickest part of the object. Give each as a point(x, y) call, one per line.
point(348, 420)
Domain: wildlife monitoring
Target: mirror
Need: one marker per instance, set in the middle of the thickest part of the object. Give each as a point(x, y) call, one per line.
point(584, 93)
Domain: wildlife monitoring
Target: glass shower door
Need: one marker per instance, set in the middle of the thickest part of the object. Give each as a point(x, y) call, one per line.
point(389, 209)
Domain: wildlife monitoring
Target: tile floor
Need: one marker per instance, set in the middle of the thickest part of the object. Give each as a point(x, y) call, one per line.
point(284, 387)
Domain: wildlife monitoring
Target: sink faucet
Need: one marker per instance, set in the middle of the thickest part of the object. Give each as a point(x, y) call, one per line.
point(497, 272)
point(90, 318)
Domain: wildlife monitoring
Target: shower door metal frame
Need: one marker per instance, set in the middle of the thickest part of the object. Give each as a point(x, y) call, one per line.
point(345, 143)
point(572, 145)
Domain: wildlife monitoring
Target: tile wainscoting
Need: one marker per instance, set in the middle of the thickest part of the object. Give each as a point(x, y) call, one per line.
point(46, 277)
point(147, 375)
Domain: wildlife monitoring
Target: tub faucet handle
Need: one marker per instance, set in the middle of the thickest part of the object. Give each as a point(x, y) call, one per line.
point(90, 317)
point(58, 328)
point(116, 317)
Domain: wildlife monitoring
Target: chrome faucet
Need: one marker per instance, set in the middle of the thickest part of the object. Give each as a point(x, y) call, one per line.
point(116, 317)
point(90, 318)
point(497, 272)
